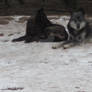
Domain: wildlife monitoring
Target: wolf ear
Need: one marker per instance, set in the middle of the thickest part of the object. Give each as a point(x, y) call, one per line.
point(81, 10)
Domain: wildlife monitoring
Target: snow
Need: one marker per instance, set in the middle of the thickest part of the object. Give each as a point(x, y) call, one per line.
point(36, 67)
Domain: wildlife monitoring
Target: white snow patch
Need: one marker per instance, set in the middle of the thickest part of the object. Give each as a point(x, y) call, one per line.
point(38, 68)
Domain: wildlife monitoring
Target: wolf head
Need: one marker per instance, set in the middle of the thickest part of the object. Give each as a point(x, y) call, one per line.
point(41, 18)
point(77, 20)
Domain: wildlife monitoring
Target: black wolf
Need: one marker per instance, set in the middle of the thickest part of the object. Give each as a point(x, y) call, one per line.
point(39, 27)
point(79, 29)
point(58, 32)
point(35, 27)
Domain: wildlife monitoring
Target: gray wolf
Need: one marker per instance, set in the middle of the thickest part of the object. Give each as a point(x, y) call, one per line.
point(79, 30)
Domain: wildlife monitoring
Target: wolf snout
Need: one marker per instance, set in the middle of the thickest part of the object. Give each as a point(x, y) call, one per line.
point(78, 26)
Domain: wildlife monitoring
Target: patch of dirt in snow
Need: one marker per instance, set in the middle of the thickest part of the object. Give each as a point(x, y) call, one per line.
point(35, 67)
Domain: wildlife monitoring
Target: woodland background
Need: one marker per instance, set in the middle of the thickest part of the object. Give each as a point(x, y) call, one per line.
point(51, 6)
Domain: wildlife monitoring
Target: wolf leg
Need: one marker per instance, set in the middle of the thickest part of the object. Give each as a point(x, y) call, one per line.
point(57, 46)
point(65, 46)
point(19, 39)
point(28, 39)
point(60, 45)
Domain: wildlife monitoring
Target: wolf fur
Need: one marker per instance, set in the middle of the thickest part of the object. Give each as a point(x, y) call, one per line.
point(79, 30)
point(39, 27)
point(58, 32)
point(35, 27)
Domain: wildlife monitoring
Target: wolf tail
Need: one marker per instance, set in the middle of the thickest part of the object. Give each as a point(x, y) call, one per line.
point(19, 39)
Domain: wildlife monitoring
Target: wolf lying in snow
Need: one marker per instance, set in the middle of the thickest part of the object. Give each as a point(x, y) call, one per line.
point(39, 27)
point(79, 30)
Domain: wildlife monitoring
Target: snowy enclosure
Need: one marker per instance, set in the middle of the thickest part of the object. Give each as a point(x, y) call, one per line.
point(36, 67)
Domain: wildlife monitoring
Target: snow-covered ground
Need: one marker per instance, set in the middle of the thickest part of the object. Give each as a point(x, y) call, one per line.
point(36, 67)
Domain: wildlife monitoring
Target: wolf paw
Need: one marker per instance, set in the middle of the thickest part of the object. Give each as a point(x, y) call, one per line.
point(66, 46)
point(54, 47)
